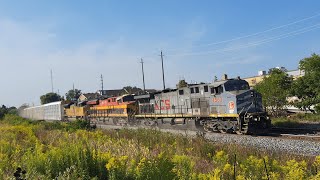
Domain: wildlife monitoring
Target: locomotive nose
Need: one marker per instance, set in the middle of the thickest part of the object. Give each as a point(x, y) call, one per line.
point(249, 101)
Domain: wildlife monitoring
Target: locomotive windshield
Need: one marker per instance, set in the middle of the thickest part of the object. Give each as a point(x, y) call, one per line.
point(236, 85)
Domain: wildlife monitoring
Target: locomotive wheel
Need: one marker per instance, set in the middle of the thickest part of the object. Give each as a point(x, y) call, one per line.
point(154, 124)
point(115, 121)
point(207, 129)
point(223, 131)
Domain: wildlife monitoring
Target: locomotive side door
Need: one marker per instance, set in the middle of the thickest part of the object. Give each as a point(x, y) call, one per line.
point(204, 101)
point(199, 102)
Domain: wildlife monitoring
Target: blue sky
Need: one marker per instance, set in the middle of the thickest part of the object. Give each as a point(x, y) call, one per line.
point(79, 40)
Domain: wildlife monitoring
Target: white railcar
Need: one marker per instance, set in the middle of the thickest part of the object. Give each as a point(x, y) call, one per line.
point(51, 111)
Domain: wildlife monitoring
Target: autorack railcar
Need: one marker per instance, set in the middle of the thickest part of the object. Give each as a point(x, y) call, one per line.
point(51, 111)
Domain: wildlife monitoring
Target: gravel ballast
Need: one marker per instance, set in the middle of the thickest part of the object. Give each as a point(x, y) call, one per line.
point(276, 144)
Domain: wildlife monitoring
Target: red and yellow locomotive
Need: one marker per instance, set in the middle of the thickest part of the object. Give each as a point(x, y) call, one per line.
point(113, 108)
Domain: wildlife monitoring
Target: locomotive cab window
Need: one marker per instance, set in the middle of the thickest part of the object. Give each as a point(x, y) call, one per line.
point(197, 89)
point(191, 90)
point(127, 98)
point(212, 90)
point(205, 88)
point(181, 92)
point(236, 85)
point(218, 89)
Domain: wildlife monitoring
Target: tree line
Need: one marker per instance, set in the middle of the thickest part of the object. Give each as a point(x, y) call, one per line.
point(7, 110)
point(279, 86)
point(71, 95)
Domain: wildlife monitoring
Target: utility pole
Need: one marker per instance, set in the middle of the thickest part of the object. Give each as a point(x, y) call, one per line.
point(164, 84)
point(74, 93)
point(144, 87)
point(101, 84)
point(51, 80)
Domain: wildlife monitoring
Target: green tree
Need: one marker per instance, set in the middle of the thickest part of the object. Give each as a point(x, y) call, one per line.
point(73, 95)
point(50, 97)
point(4, 110)
point(307, 87)
point(181, 84)
point(274, 90)
point(12, 110)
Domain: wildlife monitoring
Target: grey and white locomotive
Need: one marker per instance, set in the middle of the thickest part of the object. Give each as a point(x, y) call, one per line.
point(225, 106)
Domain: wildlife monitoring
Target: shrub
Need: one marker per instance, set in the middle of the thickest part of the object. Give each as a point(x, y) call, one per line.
point(183, 166)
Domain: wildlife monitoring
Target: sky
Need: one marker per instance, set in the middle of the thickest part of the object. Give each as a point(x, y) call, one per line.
point(80, 40)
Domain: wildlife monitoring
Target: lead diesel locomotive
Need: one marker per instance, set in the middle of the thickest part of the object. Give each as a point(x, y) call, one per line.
point(227, 106)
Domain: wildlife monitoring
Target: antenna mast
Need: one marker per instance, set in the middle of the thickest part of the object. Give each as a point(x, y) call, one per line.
point(144, 87)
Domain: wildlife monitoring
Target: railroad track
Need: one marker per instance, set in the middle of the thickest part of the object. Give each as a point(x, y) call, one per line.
point(304, 145)
point(301, 137)
point(296, 133)
point(275, 132)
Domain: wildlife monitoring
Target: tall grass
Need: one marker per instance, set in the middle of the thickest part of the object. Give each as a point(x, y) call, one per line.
point(68, 151)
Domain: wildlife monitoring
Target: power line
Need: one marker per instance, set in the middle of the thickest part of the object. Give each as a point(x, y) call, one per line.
point(254, 34)
point(263, 41)
point(292, 33)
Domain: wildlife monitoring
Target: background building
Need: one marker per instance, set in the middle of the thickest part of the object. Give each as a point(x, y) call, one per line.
point(261, 74)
